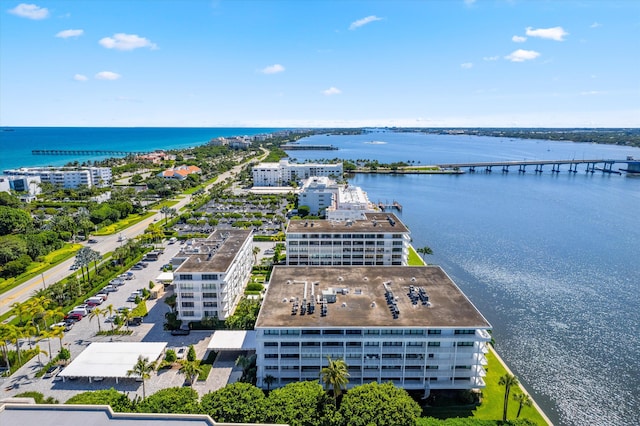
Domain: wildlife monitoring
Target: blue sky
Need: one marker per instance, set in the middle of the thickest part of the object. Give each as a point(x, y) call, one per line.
point(484, 63)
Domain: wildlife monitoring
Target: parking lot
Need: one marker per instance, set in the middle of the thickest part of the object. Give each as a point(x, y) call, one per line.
point(83, 333)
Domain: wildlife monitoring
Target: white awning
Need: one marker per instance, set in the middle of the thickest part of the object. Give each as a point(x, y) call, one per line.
point(165, 276)
point(112, 359)
point(233, 340)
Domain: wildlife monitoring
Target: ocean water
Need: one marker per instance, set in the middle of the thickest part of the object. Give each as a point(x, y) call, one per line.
point(16, 143)
point(550, 259)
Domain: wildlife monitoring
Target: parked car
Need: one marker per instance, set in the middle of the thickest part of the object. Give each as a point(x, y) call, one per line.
point(180, 332)
point(181, 352)
point(73, 316)
point(64, 325)
point(135, 321)
point(52, 371)
point(92, 241)
point(111, 318)
point(136, 267)
point(103, 296)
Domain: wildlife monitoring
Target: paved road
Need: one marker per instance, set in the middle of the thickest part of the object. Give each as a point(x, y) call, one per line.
point(104, 245)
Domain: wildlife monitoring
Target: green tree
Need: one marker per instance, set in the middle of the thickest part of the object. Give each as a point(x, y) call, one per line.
point(249, 369)
point(300, 404)
point(235, 403)
point(508, 381)
point(379, 404)
point(171, 400)
point(142, 369)
point(191, 369)
point(118, 401)
point(96, 312)
point(424, 251)
point(269, 380)
point(523, 399)
point(255, 252)
point(191, 353)
point(13, 221)
point(335, 376)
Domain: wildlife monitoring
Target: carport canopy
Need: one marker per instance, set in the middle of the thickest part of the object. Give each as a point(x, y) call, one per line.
point(165, 276)
point(233, 340)
point(112, 359)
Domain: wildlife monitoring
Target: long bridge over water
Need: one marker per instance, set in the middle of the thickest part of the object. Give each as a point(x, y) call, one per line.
point(603, 165)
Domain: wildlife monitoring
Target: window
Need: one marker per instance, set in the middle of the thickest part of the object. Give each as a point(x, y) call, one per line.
point(188, 314)
point(270, 344)
point(434, 344)
point(354, 331)
point(310, 332)
point(209, 295)
point(210, 277)
point(210, 304)
point(387, 344)
point(185, 277)
point(271, 332)
point(289, 332)
point(186, 295)
point(464, 343)
point(465, 332)
point(432, 332)
point(187, 304)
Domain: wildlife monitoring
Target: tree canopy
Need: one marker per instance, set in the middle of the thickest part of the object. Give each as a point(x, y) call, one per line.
point(379, 404)
point(182, 400)
point(235, 403)
point(117, 400)
point(300, 404)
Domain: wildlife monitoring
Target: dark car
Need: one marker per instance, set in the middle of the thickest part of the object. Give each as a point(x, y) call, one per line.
point(92, 241)
point(180, 332)
point(135, 321)
point(51, 371)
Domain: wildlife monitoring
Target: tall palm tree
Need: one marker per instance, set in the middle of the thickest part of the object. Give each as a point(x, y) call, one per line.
point(256, 250)
point(96, 312)
point(191, 369)
point(335, 376)
point(47, 334)
point(142, 369)
point(20, 309)
point(4, 342)
point(110, 310)
point(424, 251)
point(14, 335)
point(40, 351)
point(522, 399)
point(248, 364)
point(508, 381)
point(59, 333)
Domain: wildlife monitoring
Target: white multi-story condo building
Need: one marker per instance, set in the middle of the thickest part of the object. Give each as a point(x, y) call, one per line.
point(283, 172)
point(350, 203)
point(318, 194)
point(409, 325)
point(211, 279)
point(379, 239)
point(67, 177)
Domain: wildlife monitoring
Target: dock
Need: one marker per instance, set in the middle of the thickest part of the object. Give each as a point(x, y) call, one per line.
point(389, 206)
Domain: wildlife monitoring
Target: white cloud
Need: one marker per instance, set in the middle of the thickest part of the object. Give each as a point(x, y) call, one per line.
point(272, 69)
point(466, 65)
point(592, 93)
point(80, 77)
point(555, 33)
point(469, 2)
point(122, 41)
point(491, 58)
point(331, 91)
point(518, 39)
point(70, 33)
point(364, 21)
point(30, 11)
point(596, 25)
point(521, 55)
point(107, 75)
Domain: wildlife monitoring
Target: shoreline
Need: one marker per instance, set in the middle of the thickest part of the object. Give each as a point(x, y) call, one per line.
point(524, 390)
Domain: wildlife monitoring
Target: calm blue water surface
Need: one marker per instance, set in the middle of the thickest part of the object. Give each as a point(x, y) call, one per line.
point(16, 145)
point(551, 260)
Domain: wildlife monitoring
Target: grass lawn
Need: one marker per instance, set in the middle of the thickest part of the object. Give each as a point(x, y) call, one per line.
point(414, 258)
point(36, 268)
point(492, 400)
point(123, 224)
point(166, 203)
point(201, 186)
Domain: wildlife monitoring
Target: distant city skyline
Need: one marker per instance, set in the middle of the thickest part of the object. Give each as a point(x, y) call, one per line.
point(277, 63)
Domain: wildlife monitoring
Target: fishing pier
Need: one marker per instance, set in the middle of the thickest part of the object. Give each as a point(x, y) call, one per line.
point(83, 152)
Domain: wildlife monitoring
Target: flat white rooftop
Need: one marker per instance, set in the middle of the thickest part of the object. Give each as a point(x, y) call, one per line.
point(112, 359)
point(236, 340)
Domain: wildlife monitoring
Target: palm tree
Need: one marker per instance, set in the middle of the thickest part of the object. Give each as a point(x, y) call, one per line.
point(126, 316)
point(167, 212)
point(522, 399)
point(424, 251)
point(20, 309)
point(14, 335)
point(142, 369)
point(248, 364)
point(4, 342)
point(256, 250)
point(336, 376)
point(191, 369)
point(47, 334)
point(269, 380)
point(40, 351)
point(59, 333)
point(97, 313)
point(109, 309)
point(508, 380)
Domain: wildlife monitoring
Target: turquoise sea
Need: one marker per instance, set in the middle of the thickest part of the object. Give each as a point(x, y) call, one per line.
point(16, 143)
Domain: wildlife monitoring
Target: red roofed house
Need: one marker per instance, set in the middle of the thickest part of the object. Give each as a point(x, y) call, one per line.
point(180, 172)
